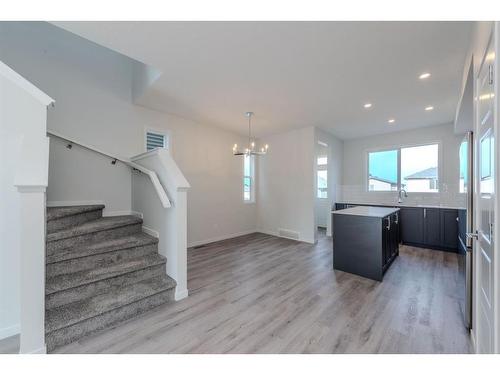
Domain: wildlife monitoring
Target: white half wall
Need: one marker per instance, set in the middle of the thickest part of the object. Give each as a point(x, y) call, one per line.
point(355, 166)
point(92, 87)
point(286, 184)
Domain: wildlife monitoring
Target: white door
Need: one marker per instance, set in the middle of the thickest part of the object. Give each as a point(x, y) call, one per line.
point(485, 203)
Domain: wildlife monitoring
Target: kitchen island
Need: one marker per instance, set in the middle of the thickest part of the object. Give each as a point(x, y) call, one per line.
point(365, 240)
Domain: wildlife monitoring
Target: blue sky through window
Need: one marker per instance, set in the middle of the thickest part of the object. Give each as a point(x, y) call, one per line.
point(384, 164)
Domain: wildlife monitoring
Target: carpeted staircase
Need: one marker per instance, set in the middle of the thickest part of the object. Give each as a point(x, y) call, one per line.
point(99, 271)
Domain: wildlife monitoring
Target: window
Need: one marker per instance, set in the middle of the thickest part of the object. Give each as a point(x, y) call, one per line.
point(248, 179)
point(383, 170)
point(322, 177)
point(419, 169)
point(463, 168)
point(156, 139)
point(414, 169)
point(487, 164)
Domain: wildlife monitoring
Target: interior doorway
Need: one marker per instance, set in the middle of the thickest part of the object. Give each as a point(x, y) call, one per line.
point(322, 201)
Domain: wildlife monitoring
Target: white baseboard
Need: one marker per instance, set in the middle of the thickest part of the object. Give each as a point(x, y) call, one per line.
point(268, 232)
point(220, 238)
point(138, 214)
point(72, 203)
point(9, 331)
point(150, 231)
point(180, 294)
point(42, 350)
point(473, 339)
point(120, 213)
point(275, 234)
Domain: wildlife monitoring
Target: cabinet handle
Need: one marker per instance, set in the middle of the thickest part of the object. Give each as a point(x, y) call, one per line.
point(397, 219)
point(425, 212)
point(388, 223)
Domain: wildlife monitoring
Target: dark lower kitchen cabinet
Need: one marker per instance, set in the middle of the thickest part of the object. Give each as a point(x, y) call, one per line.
point(365, 240)
point(432, 226)
point(449, 228)
point(390, 238)
point(412, 225)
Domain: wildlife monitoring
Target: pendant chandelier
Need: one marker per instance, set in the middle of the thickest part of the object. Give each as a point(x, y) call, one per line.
point(250, 149)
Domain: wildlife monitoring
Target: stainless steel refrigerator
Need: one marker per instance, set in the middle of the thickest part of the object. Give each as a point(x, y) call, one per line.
point(465, 226)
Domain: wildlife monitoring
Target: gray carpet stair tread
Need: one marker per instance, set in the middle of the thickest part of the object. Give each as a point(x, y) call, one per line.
point(63, 211)
point(101, 247)
point(73, 313)
point(72, 280)
point(104, 223)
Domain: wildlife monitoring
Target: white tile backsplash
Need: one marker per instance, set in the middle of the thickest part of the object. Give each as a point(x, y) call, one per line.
point(358, 194)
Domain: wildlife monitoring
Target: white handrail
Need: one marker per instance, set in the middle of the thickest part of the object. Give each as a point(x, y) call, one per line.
point(165, 201)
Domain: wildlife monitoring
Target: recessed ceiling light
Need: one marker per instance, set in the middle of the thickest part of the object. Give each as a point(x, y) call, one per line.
point(424, 75)
point(368, 105)
point(391, 120)
point(429, 108)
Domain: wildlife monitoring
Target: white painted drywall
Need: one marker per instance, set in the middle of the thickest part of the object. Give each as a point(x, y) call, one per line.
point(170, 223)
point(286, 184)
point(92, 87)
point(24, 168)
point(335, 164)
point(9, 234)
point(355, 166)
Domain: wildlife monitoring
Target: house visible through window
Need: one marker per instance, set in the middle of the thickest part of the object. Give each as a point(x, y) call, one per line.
point(322, 177)
point(414, 169)
point(248, 179)
point(156, 140)
point(419, 169)
point(383, 170)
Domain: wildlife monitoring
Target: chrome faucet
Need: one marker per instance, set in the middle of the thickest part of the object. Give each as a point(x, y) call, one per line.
point(400, 195)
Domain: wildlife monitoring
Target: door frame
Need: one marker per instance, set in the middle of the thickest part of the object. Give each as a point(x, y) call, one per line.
point(494, 39)
point(496, 204)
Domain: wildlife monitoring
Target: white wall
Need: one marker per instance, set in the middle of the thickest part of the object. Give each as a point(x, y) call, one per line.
point(92, 87)
point(10, 145)
point(355, 166)
point(286, 184)
point(23, 167)
point(335, 165)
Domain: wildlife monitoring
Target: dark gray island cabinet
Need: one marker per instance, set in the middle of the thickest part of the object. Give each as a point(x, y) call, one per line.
point(365, 240)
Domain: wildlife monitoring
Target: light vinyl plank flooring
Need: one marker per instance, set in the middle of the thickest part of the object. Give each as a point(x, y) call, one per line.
point(262, 294)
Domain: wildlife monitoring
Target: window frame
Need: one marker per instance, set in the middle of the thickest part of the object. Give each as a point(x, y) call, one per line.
point(322, 167)
point(252, 199)
point(398, 149)
point(367, 169)
point(163, 132)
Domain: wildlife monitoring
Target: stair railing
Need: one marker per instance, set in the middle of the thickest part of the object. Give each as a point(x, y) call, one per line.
point(153, 177)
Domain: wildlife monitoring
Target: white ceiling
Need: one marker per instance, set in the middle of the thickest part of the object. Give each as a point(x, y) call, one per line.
point(296, 74)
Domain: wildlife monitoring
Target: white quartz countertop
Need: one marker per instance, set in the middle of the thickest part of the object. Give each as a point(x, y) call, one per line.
point(367, 211)
point(411, 205)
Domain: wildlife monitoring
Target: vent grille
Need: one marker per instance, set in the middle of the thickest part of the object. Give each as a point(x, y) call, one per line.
point(154, 140)
point(288, 234)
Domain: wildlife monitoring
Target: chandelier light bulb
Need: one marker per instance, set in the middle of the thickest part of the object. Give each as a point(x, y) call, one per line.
point(252, 149)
